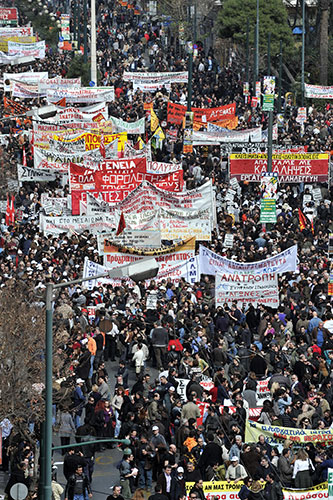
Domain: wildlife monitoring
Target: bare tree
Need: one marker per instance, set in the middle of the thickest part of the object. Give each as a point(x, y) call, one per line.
point(324, 6)
point(21, 360)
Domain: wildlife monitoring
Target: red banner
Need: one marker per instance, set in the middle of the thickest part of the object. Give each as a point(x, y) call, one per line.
point(291, 167)
point(176, 113)
point(115, 179)
point(8, 16)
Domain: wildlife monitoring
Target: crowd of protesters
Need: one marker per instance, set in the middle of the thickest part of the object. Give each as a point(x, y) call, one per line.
point(186, 337)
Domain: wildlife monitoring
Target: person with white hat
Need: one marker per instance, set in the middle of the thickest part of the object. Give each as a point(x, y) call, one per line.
point(235, 472)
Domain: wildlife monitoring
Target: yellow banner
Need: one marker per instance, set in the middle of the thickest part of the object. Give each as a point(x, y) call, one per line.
point(21, 39)
point(223, 490)
point(288, 156)
point(93, 141)
point(277, 435)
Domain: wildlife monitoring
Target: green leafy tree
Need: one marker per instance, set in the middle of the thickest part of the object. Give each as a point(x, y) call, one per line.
point(232, 20)
point(78, 68)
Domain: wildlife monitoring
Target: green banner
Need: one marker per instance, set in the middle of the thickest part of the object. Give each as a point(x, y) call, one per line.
point(268, 210)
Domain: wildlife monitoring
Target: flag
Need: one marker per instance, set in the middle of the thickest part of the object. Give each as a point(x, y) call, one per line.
point(302, 220)
point(140, 143)
point(12, 211)
point(102, 146)
point(7, 220)
point(159, 134)
point(24, 159)
point(121, 225)
point(61, 102)
point(154, 123)
point(312, 227)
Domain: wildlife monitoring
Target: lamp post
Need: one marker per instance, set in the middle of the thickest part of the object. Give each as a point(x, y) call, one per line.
point(257, 44)
point(138, 271)
point(303, 50)
point(93, 63)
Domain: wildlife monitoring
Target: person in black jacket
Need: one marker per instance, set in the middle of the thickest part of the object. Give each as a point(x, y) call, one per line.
point(273, 489)
point(72, 461)
point(78, 485)
point(211, 455)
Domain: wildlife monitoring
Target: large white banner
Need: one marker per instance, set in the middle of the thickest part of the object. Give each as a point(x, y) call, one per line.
point(76, 224)
point(26, 174)
point(58, 83)
point(119, 125)
point(247, 289)
point(86, 114)
point(29, 77)
point(129, 237)
point(175, 225)
point(7, 31)
point(201, 138)
point(156, 78)
point(36, 49)
point(156, 167)
point(56, 160)
point(187, 271)
point(83, 95)
point(318, 91)
point(212, 263)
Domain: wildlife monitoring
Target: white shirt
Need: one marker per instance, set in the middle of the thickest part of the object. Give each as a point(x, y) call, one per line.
point(301, 465)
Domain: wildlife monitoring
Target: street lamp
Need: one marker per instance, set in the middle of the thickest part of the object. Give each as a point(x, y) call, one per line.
point(138, 271)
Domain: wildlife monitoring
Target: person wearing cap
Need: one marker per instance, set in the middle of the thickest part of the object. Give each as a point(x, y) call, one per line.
point(178, 489)
point(236, 471)
point(157, 440)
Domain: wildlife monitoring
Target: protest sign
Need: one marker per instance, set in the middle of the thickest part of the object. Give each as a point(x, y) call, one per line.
point(159, 79)
point(77, 224)
point(176, 113)
point(29, 77)
point(88, 113)
point(36, 49)
point(16, 31)
point(174, 255)
point(318, 91)
point(116, 179)
point(212, 263)
point(228, 240)
point(26, 174)
point(247, 289)
point(8, 16)
point(82, 95)
point(176, 225)
point(181, 388)
point(291, 168)
point(223, 490)
point(137, 127)
point(129, 237)
point(58, 161)
point(156, 167)
point(202, 138)
point(275, 435)
point(58, 82)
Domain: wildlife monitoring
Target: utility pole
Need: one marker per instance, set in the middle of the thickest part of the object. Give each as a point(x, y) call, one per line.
point(257, 44)
point(247, 49)
point(74, 20)
point(269, 54)
point(93, 42)
point(255, 58)
point(280, 78)
point(303, 51)
point(78, 19)
point(85, 35)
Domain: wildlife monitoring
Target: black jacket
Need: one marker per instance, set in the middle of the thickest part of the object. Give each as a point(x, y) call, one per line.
point(70, 486)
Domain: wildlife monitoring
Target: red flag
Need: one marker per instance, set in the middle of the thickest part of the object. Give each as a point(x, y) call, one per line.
point(61, 102)
point(12, 211)
point(121, 225)
point(312, 227)
point(302, 220)
point(102, 146)
point(24, 159)
point(7, 220)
